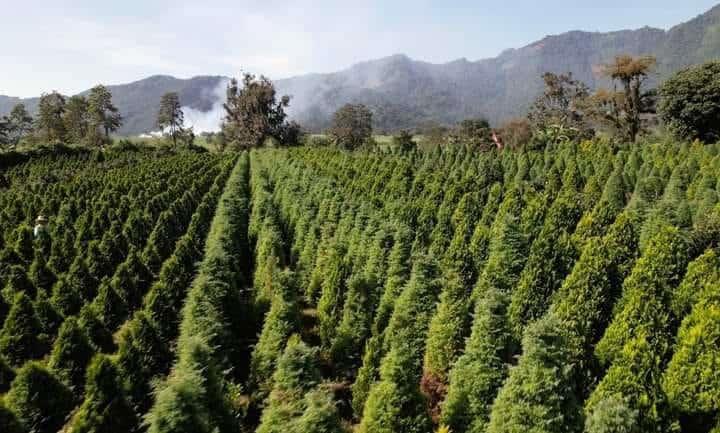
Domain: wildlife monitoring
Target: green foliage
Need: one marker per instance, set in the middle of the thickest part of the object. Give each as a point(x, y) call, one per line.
point(690, 381)
point(105, 408)
point(39, 400)
point(253, 114)
point(637, 342)
point(612, 415)
point(404, 142)
point(351, 126)
point(395, 403)
point(646, 293)
point(21, 337)
point(482, 368)
point(321, 414)
point(71, 354)
point(296, 374)
point(537, 396)
point(75, 119)
point(102, 114)
point(690, 102)
point(280, 323)
point(192, 398)
point(7, 374)
point(171, 118)
point(551, 257)
point(332, 292)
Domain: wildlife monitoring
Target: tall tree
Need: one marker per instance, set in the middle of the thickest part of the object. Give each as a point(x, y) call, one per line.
point(18, 123)
point(351, 126)
point(75, 118)
point(475, 133)
point(560, 106)
point(253, 113)
point(622, 109)
point(170, 116)
point(49, 122)
point(103, 114)
point(690, 102)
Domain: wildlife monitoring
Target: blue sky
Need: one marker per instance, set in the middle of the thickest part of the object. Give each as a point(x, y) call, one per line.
point(72, 45)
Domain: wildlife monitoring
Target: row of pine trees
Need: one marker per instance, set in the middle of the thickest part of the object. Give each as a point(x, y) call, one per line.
point(89, 302)
point(572, 289)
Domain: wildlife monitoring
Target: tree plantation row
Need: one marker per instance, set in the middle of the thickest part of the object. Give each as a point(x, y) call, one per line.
point(570, 289)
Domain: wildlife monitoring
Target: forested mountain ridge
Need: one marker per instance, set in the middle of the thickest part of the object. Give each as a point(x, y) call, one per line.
point(404, 92)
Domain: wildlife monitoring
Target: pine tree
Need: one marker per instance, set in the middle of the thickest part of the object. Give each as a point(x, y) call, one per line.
point(142, 355)
point(361, 301)
point(482, 368)
point(24, 246)
point(99, 335)
point(395, 403)
point(110, 306)
point(280, 323)
point(18, 282)
point(701, 274)
point(40, 274)
point(296, 374)
point(105, 408)
point(320, 415)
point(65, 299)
point(192, 398)
point(646, 292)
point(638, 340)
point(20, 338)
point(71, 354)
point(80, 279)
point(332, 293)
point(447, 332)
point(551, 257)
point(536, 396)
point(612, 415)
point(39, 400)
point(102, 114)
point(50, 319)
point(170, 116)
point(691, 381)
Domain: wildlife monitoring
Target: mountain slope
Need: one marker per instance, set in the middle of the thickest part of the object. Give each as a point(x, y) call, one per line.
point(404, 92)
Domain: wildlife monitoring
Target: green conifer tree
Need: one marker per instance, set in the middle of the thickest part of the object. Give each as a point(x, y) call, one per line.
point(280, 323)
point(39, 400)
point(296, 374)
point(70, 356)
point(21, 336)
point(395, 403)
point(105, 408)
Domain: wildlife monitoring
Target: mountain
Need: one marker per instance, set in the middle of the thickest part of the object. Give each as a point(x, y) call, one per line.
point(404, 92)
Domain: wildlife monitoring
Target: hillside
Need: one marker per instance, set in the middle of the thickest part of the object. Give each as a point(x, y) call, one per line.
point(405, 92)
